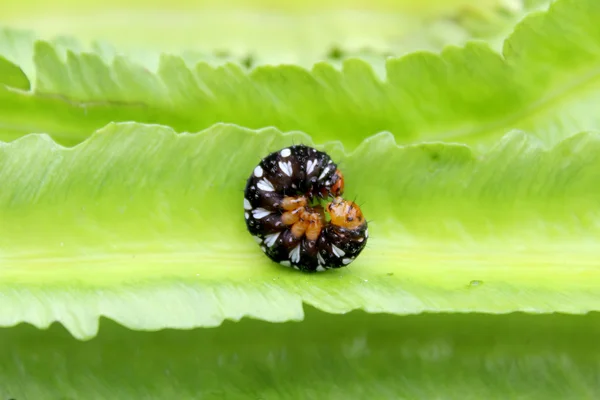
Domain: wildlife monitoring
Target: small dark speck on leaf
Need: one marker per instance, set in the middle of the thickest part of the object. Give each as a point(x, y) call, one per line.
point(335, 53)
point(475, 283)
point(248, 62)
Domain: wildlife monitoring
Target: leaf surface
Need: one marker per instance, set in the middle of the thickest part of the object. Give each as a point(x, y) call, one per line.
point(465, 357)
point(146, 227)
point(16, 46)
point(546, 83)
point(301, 33)
point(12, 76)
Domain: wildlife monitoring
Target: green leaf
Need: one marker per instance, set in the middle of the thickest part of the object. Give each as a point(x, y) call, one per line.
point(11, 75)
point(546, 84)
point(301, 33)
point(387, 29)
point(355, 356)
point(146, 227)
point(16, 46)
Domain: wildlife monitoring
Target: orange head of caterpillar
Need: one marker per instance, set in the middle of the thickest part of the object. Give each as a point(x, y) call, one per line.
point(345, 214)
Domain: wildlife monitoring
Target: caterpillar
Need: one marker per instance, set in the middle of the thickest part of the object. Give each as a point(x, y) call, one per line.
point(284, 214)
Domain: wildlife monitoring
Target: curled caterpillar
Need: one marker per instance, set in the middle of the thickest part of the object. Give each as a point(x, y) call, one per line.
point(283, 211)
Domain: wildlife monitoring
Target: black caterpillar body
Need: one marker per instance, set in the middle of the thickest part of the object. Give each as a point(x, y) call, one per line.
point(283, 213)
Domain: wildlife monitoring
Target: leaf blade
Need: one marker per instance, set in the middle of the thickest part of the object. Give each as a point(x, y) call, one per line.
point(366, 356)
point(470, 95)
point(138, 214)
point(12, 76)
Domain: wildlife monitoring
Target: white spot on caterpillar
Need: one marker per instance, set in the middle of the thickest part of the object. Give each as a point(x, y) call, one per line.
point(257, 239)
point(330, 162)
point(296, 267)
point(367, 233)
point(325, 171)
point(285, 153)
point(347, 261)
point(337, 251)
point(270, 239)
point(263, 248)
point(258, 171)
point(285, 263)
point(246, 215)
point(260, 213)
point(295, 254)
point(320, 269)
point(320, 259)
point(247, 205)
point(310, 166)
point(286, 167)
point(266, 185)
